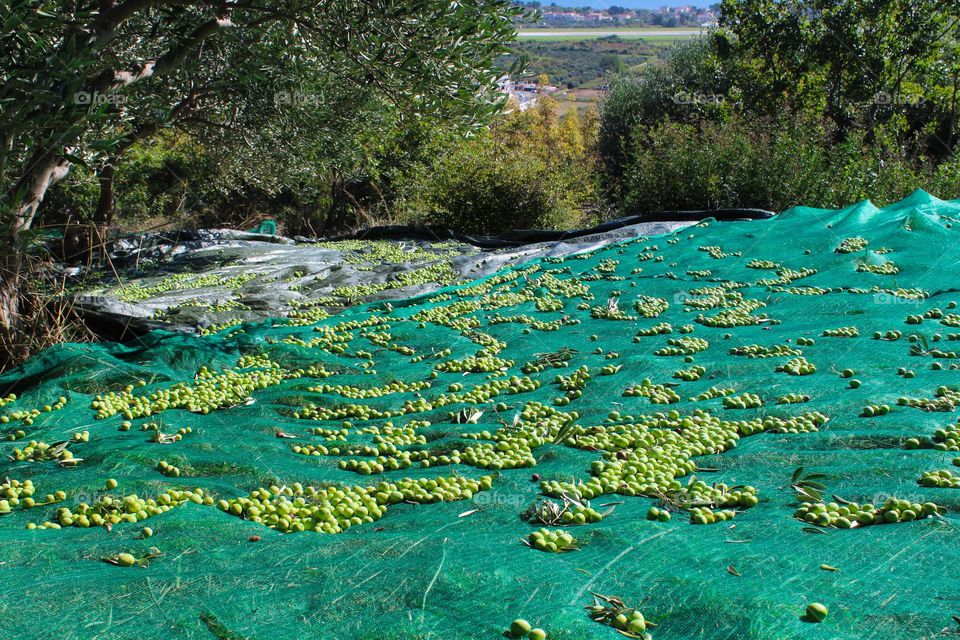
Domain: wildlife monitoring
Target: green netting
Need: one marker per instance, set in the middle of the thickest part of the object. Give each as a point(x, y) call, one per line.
point(458, 568)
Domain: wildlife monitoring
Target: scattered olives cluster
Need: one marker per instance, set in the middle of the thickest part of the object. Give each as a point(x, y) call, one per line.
point(885, 269)
point(159, 437)
point(520, 628)
point(647, 456)
point(575, 381)
point(743, 401)
point(629, 622)
point(610, 311)
point(798, 366)
point(580, 514)
point(371, 392)
point(706, 515)
point(108, 511)
point(567, 513)
point(685, 346)
point(552, 541)
point(27, 416)
point(805, 423)
point(759, 351)
point(887, 335)
point(729, 318)
point(947, 439)
point(851, 514)
point(136, 291)
point(657, 393)
point(14, 493)
point(793, 398)
point(650, 307)
point(690, 375)
point(711, 393)
point(656, 513)
point(852, 245)
point(661, 328)
point(873, 410)
point(168, 469)
point(208, 392)
point(841, 332)
point(39, 451)
point(548, 303)
point(334, 509)
point(942, 479)
point(698, 493)
point(474, 364)
point(717, 253)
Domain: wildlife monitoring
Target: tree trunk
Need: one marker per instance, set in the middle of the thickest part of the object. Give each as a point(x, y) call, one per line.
point(12, 348)
point(43, 170)
point(103, 215)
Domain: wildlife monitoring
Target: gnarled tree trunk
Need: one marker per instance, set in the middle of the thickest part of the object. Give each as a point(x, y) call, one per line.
point(44, 169)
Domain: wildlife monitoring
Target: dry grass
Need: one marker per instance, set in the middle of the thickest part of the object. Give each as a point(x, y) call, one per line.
point(46, 314)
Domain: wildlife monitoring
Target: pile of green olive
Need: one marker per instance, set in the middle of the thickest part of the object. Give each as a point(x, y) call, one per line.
point(552, 541)
point(793, 398)
point(743, 401)
point(208, 392)
point(108, 511)
point(798, 366)
point(842, 332)
point(657, 393)
point(942, 479)
point(760, 351)
point(706, 515)
point(661, 328)
point(686, 346)
point(690, 375)
point(851, 514)
point(333, 509)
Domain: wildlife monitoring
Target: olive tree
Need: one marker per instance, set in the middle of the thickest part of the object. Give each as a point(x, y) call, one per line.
point(84, 80)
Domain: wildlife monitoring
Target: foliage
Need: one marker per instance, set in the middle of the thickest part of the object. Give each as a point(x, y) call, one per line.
point(534, 169)
point(820, 103)
point(683, 87)
point(768, 164)
point(581, 63)
point(81, 78)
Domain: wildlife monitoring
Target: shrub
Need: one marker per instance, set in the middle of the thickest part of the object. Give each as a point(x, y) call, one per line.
point(483, 188)
point(770, 165)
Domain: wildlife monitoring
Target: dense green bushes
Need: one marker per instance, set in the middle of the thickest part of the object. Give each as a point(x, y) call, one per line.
point(532, 169)
point(748, 117)
point(766, 164)
point(483, 188)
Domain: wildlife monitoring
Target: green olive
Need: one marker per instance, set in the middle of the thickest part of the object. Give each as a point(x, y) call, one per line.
point(816, 612)
point(519, 628)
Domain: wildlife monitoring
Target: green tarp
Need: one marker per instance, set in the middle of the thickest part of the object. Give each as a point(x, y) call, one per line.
point(683, 311)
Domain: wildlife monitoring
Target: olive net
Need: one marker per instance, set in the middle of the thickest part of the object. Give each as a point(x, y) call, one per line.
point(383, 473)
